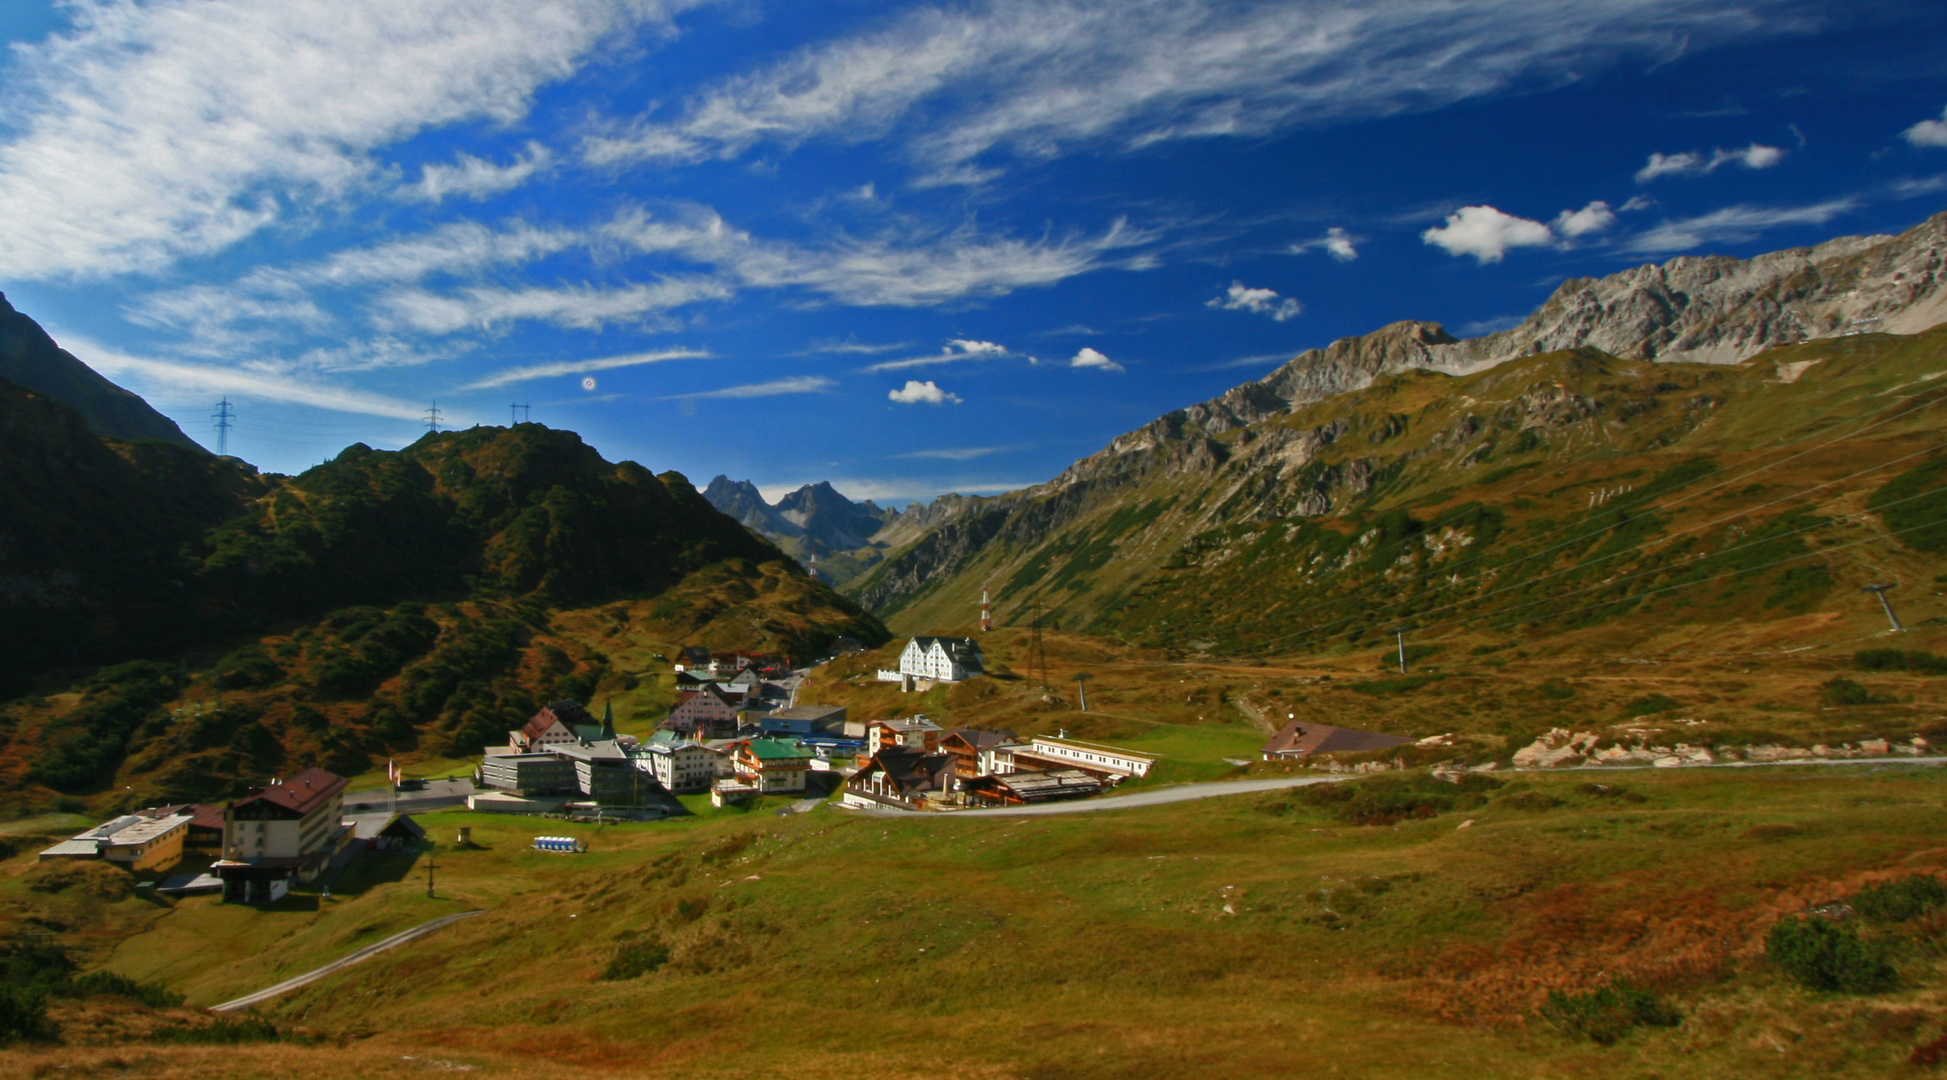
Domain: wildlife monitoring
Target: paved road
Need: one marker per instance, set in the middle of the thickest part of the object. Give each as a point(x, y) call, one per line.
point(365, 953)
point(1180, 793)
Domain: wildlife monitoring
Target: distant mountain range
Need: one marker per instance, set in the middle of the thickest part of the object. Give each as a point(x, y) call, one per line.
point(813, 523)
point(1260, 516)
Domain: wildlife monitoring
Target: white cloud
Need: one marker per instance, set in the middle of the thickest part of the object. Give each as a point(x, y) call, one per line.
point(1037, 77)
point(1593, 218)
point(170, 380)
point(176, 128)
point(1634, 203)
point(854, 348)
point(1089, 358)
point(967, 453)
point(1754, 156)
point(475, 178)
point(483, 307)
point(1256, 301)
point(1928, 132)
point(797, 384)
point(1486, 233)
point(952, 352)
point(1731, 225)
point(580, 367)
point(1336, 242)
point(915, 392)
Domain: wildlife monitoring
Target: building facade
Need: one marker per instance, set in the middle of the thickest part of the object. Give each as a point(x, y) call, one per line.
point(942, 659)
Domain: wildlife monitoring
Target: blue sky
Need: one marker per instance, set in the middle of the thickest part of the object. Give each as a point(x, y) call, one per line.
point(906, 248)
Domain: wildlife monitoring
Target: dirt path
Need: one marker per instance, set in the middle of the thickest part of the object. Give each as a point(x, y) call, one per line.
point(1255, 716)
point(365, 953)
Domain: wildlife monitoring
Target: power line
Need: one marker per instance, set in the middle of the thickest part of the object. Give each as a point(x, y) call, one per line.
point(223, 417)
point(432, 418)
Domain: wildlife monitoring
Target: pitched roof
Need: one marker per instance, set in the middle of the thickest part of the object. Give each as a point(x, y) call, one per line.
point(301, 793)
point(778, 750)
point(958, 645)
point(980, 739)
point(912, 770)
point(567, 713)
point(1303, 738)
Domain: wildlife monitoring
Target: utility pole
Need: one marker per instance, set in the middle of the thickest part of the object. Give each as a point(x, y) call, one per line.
point(1880, 591)
point(432, 418)
point(1081, 689)
point(1400, 632)
point(223, 417)
point(430, 867)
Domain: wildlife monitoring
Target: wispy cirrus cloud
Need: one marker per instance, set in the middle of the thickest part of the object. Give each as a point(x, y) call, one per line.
point(797, 384)
point(955, 351)
point(158, 131)
point(964, 453)
point(1336, 242)
point(489, 307)
point(175, 380)
point(1731, 225)
point(530, 372)
point(470, 177)
point(1038, 78)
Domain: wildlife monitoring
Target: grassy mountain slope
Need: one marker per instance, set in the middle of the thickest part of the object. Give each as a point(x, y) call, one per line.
point(417, 602)
point(1250, 936)
point(1770, 490)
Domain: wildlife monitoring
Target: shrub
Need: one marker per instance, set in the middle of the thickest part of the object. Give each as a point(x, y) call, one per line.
point(1825, 955)
point(1611, 791)
point(635, 960)
point(1604, 1016)
point(1896, 660)
point(1386, 800)
point(23, 1016)
point(1528, 800)
point(1898, 901)
point(224, 1031)
point(1839, 690)
point(109, 984)
point(1652, 703)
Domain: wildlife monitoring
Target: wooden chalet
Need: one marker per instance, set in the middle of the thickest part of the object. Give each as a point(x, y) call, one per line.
point(965, 745)
point(901, 778)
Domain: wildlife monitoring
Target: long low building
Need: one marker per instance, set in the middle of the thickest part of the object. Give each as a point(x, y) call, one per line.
point(1303, 738)
point(1044, 752)
point(1030, 788)
point(138, 842)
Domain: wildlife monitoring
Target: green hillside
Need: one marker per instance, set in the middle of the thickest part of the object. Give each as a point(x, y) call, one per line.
point(184, 624)
point(1560, 493)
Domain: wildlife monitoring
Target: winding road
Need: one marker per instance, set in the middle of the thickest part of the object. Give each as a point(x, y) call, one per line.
point(365, 953)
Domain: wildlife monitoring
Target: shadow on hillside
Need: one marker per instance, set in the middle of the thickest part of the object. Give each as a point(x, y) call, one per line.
point(373, 868)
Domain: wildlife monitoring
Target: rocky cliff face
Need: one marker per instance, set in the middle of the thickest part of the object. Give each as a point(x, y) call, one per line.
point(830, 518)
point(740, 499)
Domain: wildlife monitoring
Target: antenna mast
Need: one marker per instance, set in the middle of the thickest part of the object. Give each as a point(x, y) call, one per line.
point(223, 417)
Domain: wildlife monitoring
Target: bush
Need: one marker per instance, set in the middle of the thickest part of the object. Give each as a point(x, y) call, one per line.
point(1650, 704)
point(224, 1031)
point(1898, 901)
point(1606, 1015)
point(1386, 800)
point(1825, 955)
point(109, 984)
point(1843, 691)
point(1896, 660)
point(23, 1016)
point(635, 960)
